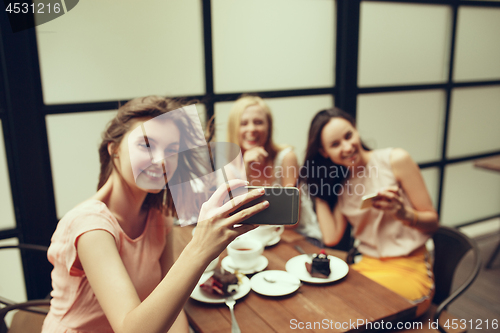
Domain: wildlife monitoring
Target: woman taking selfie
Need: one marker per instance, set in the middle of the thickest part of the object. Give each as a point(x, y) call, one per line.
point(114, 268)
point(394, 227)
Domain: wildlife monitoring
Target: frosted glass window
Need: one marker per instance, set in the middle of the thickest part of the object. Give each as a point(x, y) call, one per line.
point(409, 120)
point(291, 119)
point(403, 43)
point(73, 143)
point(477, 51)
point(12, 284)
point(11, 275)
point(117, 50)
point(7, 217)
point(474, 120)
point(273, 45)
point(431, 179)
point(469, 194)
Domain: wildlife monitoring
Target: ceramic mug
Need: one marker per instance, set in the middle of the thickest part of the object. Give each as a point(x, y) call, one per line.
point(244, 252)
point(266, 233)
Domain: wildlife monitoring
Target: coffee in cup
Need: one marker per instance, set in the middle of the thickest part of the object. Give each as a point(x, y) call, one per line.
point(244, 252)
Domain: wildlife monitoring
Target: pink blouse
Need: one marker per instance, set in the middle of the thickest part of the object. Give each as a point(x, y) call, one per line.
point(74, 307)
point(380, 234)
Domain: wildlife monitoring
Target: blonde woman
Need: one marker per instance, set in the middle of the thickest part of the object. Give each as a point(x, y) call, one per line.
point(250, 126)
point(266, 163)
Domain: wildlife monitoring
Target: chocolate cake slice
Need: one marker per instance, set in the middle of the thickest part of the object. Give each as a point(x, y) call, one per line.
point(221, 283)
point(320, 266)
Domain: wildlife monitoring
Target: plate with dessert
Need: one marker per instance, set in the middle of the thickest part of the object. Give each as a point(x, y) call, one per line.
point(317, 268)
point(215, 286)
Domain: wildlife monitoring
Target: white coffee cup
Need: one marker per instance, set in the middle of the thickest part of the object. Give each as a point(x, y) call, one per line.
point(266, 233)
point(244, 252)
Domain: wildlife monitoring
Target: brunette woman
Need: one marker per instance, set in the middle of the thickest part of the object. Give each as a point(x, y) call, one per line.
point(393, 230)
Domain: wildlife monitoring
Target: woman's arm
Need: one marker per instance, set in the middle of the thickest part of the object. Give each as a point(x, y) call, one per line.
point(422, 216)
point(114, 290)
point(166, 262)
point(290, 174)
point(290, 167)
point(332, 224)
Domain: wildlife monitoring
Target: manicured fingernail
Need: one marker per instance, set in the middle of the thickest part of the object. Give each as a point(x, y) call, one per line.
point(247, 183)
point(265, 203)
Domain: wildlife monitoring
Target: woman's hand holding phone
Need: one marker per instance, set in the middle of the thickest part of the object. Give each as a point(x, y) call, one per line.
point(216, 226)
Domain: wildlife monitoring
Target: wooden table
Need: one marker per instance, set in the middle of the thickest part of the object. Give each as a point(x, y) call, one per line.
point(351, 300)
point(492, 164)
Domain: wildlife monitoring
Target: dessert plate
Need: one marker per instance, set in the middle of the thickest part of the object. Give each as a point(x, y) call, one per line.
point(199, 295)
point(228, 264)
point(297, 267)
point(274, 283)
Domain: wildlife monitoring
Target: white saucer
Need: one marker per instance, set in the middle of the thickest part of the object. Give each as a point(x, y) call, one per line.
point(199, 295)
point(274, 241)
point(285, 283)
point(297, 267)
point(228, 265)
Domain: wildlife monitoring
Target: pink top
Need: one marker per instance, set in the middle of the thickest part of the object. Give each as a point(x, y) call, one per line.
point(74, 307)
point(380, 234)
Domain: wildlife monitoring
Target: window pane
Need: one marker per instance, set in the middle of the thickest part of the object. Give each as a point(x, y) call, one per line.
point(273, 45)
point(410, 120)
point(7, 217)
point(110, 50)
point(73, 143)
point(431, 178)
point(478, 46)
point(469, 194)
point(474, 121)
point(291, 119)
point(12, 274)
point(403, 43)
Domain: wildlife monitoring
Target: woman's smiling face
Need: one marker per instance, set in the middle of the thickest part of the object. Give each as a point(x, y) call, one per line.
point(150, 158)
point(254, 128)
point(341, 143)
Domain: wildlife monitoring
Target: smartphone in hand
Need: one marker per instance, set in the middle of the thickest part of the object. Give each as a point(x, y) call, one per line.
point(367, 200)
point(283, 205)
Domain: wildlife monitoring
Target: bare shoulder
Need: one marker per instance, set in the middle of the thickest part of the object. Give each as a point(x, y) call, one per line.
point(290, 158)
point(399, 155)
point(400, 158)
point(402, 163)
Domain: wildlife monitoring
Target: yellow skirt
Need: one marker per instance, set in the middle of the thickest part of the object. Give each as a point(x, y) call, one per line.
point(410, 276)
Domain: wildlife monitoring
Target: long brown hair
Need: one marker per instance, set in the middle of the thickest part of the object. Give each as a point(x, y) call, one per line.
point(128, 114)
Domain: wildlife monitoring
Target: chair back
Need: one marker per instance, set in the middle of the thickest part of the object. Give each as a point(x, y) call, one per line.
point(450, 246)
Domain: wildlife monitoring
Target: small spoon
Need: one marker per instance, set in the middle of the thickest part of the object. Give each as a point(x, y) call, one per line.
point(269, 280)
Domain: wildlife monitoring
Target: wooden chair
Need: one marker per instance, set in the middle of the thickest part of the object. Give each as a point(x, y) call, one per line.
point(450, 246)
point(30, 315)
